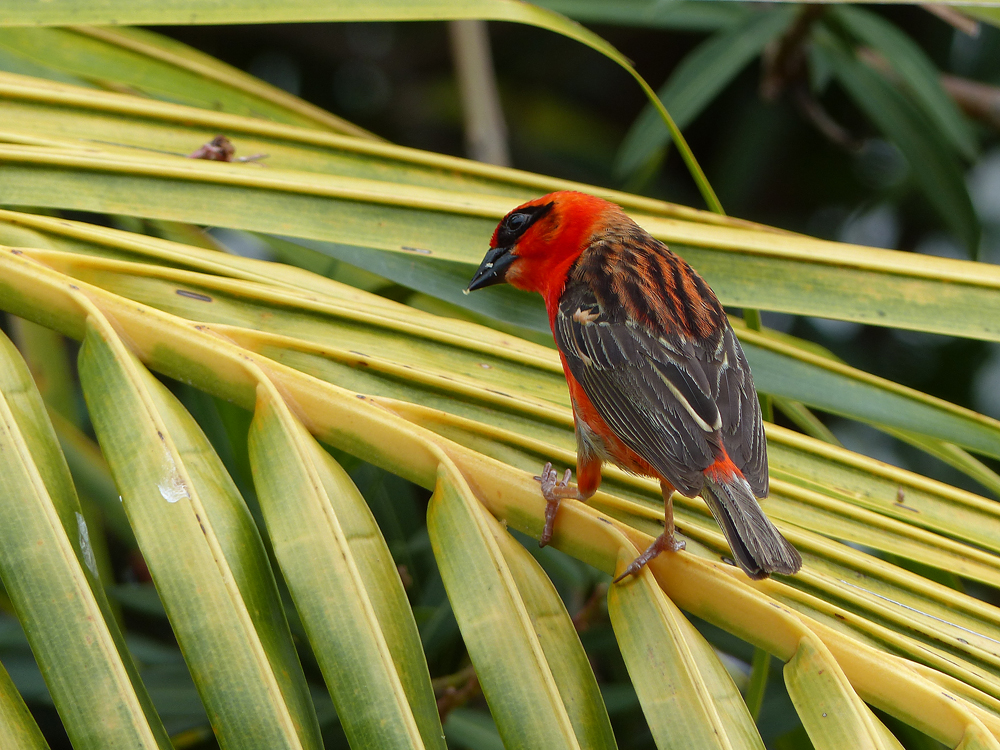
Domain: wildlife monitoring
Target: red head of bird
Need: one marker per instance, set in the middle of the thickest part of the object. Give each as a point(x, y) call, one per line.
point(535, 245)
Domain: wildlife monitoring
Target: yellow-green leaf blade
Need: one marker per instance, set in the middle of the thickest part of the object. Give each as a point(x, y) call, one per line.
point(197, 536)
point(17, 727)
point(50, 574)
point(786, 370)
point(517, 682)
point(688, 697)
point(953, 455)
point(344, 584)
point(561, 644)
point(147, 63)
point(759, 269)
point(830, 710)
point(884, 489)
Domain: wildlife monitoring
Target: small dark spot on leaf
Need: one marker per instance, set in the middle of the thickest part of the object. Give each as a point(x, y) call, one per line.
point(962, 640)
point(194, 295)
point(839, 616)
point(74, 287)
point(420, 250)
point(361, 396)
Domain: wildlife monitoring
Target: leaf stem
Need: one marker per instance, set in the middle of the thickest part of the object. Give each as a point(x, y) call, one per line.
point(707, 193)
point(760, 668)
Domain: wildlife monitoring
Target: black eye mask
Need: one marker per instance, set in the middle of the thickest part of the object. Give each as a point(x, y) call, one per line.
point(517, 222)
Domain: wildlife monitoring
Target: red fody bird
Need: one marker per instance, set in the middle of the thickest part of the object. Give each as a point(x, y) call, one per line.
point(658, 381)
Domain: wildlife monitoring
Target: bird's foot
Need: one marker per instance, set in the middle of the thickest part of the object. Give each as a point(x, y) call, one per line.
point(665, 541)
point(554, 490)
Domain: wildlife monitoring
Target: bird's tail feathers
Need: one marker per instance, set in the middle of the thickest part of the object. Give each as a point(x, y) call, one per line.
point(757, 545)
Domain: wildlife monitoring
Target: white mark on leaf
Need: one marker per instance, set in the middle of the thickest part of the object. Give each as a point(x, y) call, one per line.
point(85, 549)
point(172, 487)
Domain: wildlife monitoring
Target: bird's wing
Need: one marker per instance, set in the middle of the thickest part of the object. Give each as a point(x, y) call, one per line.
point(670, 398)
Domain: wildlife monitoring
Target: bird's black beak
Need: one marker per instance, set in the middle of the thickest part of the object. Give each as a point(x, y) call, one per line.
point(493, 268)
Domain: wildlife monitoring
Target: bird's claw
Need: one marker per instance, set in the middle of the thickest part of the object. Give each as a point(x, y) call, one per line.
point(662, 543)
point(550, 482)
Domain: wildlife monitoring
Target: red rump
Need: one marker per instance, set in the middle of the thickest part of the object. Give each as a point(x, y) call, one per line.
point(723, 470)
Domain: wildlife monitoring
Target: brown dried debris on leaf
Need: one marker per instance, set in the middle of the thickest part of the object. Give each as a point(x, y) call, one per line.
point(221, 148)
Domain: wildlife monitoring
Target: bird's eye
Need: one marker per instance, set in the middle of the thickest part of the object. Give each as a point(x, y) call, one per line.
point(516, 221)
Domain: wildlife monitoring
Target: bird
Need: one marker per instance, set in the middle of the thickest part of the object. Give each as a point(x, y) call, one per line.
point(657, 379)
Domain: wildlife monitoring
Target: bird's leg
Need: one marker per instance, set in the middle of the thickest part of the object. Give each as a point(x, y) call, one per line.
point(674, 545)
point(554, 490)
point(588, 479)
point(665, 541)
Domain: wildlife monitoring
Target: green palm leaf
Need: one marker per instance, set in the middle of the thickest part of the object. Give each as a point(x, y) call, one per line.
point(49, 571)
point(344, 584)
point(175, 488)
